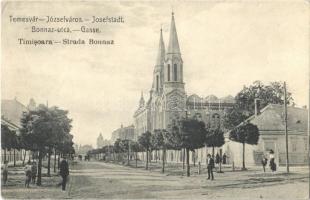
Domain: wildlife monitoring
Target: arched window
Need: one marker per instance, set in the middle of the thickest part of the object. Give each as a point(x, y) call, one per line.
point(175, 70)
point(157, 82)
point(168, 72)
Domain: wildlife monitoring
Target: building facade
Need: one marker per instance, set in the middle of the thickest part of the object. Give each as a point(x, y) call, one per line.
point(123, 133)
point(168, 100)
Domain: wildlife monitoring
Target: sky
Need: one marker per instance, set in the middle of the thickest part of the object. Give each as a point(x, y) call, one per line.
point(224, 45)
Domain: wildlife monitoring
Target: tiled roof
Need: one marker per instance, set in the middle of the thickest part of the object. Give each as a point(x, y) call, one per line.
point(272, 118)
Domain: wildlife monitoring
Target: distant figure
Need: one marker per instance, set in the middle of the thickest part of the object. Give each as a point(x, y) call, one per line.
point(210, 166)
point(64, 172)
point(28, 174)
point(5, 172)
point(217, 158)
point(272, 163)
point(224, 159)
point(264, 162)
point(34, 172)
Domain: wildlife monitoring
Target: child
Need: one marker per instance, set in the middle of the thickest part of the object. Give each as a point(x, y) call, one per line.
point(28, 174)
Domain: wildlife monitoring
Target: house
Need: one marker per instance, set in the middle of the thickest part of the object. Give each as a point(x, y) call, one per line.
point(271, 125)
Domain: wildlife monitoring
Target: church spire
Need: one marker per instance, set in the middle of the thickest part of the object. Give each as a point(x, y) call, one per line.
point(173, 46)
point(161, 50)
point(141, 103)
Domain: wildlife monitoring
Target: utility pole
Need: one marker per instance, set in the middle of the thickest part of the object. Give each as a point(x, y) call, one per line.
point(286, 134)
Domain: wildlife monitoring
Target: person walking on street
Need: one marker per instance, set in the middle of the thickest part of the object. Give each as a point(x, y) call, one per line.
point(210, 166)
point(33, 172)
point(28, 174)
point(5, 172)
point(264, 162)
point(64, 172)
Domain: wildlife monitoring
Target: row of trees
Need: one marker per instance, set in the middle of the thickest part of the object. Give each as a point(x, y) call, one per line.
point(44, 131)
point(190, 134)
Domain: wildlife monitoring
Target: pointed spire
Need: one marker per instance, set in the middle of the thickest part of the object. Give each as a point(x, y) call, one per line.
point(173, 46)
point(161, 50)
point(141, 103)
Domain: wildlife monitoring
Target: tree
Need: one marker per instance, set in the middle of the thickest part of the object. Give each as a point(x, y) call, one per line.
point(135, 146)
point(39, 127)
point(245, 101)
point(118, 148)
point(190, 133)
point(8, 139)
point(145, 141)
point(214, 138)
point(246, 133)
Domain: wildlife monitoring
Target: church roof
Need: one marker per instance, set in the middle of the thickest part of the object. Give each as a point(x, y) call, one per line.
point(173, 46)
point(161, 50)
point(271, 118)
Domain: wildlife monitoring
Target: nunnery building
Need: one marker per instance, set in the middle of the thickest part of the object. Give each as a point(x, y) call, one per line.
point(168, 100)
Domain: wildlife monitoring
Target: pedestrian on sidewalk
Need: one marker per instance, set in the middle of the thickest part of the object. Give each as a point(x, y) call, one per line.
point(34, 170)
point(64, 172)
point(5, 172)
point(272, 163)
point(28, 174)
point(224, 159)
point(264, 162)
point(210, 166)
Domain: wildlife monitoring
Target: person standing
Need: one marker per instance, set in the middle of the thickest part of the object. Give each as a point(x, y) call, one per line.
point(264, 162)
point(64, 172)
point(224, 159)
point(33, 172)
point(217, 158)
point(5, 172)
point(272, 163)
point(28, 174)
point(210, 166)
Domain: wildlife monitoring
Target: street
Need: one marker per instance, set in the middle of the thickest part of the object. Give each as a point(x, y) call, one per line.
point(112, 181)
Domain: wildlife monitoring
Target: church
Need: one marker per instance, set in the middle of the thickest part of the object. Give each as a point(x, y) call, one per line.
point(168, 100)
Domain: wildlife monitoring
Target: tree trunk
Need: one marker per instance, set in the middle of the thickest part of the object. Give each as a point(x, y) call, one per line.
point(147, 160)
point(4, 154)
point(25, 153)
point(187, 162)
point(39, 169)
point(136, 159)
point(55, 153)
point(14, 158)
point(194, 158)
point(213, 151)
point(128, 156)
point(58, 160)
point(243, 155)
point(183, 159)
point(163, 161)
point(10, 155)
point(156, 155)
point(49, 163)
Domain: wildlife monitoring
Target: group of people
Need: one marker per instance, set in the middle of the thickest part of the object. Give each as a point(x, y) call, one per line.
point(272, 164)
point(31, 170)
point(31, 173)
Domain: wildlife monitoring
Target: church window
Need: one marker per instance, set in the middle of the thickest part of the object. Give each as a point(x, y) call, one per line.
point(168, 72)
point(175, 70)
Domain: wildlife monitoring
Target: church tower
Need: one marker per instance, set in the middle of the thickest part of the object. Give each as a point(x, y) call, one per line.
point(174, 93)
point(158, 78)
point(173, 67)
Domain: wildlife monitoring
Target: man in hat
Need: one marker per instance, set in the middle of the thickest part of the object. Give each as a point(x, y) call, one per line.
point(210, 166)
point(64, 172)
